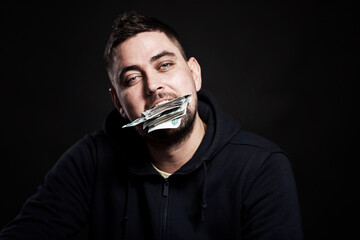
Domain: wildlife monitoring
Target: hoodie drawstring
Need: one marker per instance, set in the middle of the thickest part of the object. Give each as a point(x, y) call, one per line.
point(203, 203)
point(126, 216)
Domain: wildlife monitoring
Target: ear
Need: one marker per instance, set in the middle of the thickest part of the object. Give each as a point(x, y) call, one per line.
point(116, 102)
point(195, 71)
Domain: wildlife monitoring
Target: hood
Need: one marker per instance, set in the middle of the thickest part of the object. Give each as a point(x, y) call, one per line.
point(225, 128)
point(221, 128)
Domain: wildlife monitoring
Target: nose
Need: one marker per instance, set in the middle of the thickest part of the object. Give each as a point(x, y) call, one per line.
point(153, 83)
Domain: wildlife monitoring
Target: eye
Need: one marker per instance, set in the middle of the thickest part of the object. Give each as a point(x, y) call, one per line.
point(165, 66)
point(132, 79)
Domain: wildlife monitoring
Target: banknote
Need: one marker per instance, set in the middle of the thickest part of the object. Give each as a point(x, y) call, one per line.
point(174, 123)
point(167, 115)
point(158, 110)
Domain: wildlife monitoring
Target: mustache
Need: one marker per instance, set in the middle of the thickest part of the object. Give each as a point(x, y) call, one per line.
point(159, 95)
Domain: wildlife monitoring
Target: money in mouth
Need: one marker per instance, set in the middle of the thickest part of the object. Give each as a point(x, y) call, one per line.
point(163, 116)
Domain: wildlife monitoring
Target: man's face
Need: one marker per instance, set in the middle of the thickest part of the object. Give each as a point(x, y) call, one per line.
point(149, 69)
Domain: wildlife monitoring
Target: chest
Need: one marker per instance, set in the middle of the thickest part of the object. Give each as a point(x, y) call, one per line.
point(195, 206)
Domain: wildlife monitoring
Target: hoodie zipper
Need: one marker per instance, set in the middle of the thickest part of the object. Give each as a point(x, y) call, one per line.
point(165, 195)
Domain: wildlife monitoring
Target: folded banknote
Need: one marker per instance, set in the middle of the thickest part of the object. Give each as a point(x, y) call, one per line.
point(163, 116)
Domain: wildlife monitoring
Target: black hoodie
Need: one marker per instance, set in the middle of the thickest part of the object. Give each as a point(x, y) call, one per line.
point(236, 186)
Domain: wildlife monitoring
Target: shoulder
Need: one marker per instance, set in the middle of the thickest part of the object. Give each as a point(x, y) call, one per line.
point(86, 148)
point(245, 139)
point(88, 142)
point(255, 153)
point(260, 160)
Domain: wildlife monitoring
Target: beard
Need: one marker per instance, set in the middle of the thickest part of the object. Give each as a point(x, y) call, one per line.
point(173, 136)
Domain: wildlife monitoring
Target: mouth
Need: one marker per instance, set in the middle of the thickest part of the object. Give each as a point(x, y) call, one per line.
point(160, 102)
point(163, 111)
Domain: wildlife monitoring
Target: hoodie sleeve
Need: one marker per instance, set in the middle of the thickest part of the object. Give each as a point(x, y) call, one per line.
point(271, 208)
point(60, 207)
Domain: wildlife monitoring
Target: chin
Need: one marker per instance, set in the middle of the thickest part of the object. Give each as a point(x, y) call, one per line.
point(171, 136)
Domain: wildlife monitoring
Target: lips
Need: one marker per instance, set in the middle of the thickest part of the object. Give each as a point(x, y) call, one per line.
point(159, 98)
point(160, 101)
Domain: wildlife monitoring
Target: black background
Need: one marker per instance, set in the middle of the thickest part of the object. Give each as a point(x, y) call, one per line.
point(284, 71)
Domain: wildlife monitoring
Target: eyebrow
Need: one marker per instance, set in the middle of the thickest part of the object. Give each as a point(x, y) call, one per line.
point(160, 55)
point(152, 59)
point(128, 68)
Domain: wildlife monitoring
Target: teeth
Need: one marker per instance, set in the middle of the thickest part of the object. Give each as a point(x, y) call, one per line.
point(161, 103)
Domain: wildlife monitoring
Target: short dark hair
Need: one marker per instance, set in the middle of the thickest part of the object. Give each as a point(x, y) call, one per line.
point(129, 24)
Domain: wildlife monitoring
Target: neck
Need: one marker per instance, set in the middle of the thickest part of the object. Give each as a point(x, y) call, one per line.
point(170, 158)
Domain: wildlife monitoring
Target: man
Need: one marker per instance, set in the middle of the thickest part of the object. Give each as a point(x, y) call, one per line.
point(205, 179)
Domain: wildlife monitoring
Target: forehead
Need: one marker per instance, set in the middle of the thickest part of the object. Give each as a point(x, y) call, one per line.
point(143, 46)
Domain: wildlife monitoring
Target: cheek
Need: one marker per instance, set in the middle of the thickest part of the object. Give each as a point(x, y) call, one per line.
point(185, 82)
point(132, 106)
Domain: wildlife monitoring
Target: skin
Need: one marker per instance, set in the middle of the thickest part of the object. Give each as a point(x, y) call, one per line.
point(149, 69)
